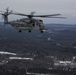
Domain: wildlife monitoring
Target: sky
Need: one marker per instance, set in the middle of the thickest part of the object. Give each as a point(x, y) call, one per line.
point(67, 8)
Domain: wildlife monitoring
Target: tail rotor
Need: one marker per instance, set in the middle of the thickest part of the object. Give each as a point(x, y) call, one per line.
point(5, 15)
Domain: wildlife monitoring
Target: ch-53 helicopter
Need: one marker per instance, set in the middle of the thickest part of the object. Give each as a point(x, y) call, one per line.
point(28, 23)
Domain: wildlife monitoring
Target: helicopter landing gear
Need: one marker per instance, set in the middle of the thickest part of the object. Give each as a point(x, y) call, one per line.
point(41, 31)
point(33, 25)
point(29, 31)
point(20, 31)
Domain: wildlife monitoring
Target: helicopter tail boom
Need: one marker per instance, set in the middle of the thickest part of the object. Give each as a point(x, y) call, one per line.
point(5, 17)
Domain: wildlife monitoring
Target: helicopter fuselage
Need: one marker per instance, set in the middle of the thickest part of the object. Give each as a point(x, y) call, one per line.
point(25, 24)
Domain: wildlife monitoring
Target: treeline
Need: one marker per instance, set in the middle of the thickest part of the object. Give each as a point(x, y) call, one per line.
point(52, 71)
point(15, 70)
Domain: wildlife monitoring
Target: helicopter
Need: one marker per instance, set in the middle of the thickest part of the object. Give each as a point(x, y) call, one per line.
point(28, 23)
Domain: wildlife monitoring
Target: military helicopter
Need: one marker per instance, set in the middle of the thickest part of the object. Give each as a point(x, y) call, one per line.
point(28, 23)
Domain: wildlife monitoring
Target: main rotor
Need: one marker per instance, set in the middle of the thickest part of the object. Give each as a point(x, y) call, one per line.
point(30, 16)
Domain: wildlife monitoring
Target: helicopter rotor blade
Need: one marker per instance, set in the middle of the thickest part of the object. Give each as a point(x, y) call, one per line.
point(7, 9)
point(57, 17)
point(32, 15)
point(2, 15)
point(46, 15)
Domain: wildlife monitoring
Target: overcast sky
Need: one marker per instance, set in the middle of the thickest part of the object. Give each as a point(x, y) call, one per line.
point(65, 7)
